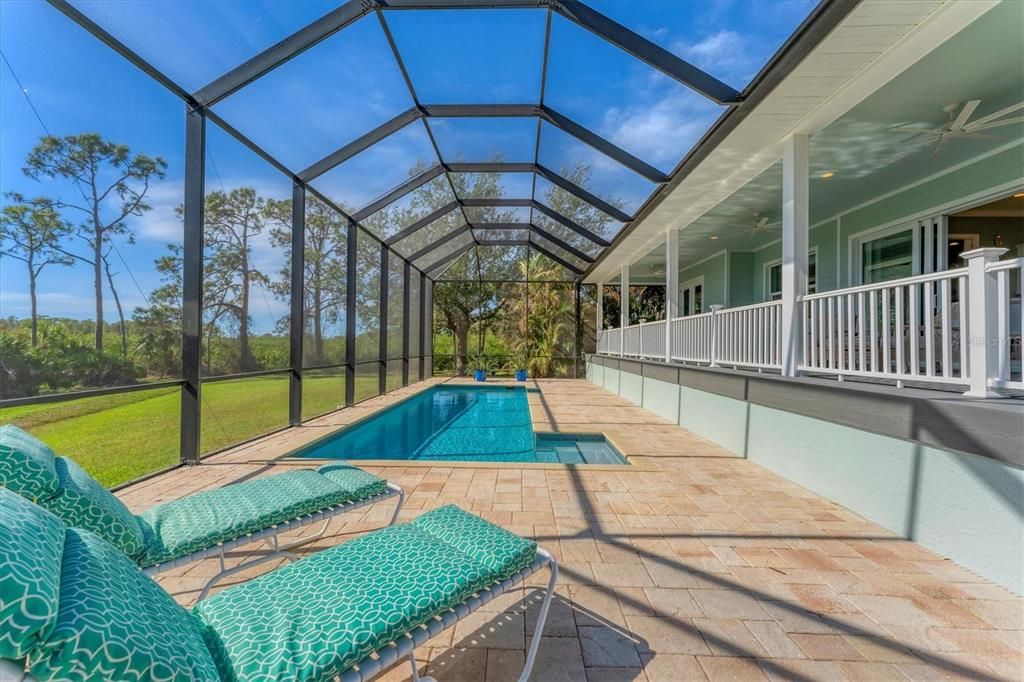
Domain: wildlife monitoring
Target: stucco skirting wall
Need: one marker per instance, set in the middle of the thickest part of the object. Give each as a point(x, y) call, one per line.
point(965, 506)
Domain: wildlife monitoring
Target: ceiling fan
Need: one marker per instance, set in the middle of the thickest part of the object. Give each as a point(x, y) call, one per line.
point(959, 124)
point(761, 224)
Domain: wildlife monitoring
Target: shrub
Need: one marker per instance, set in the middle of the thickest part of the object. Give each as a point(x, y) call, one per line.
point(20, 370)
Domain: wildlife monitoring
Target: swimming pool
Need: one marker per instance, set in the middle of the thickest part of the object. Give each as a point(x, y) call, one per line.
point(461, 423)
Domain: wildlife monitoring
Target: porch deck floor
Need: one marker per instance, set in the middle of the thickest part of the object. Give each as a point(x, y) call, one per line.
point(692, 564)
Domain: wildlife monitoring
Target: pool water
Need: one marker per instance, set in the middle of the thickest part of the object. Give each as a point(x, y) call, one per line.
point(461, 423)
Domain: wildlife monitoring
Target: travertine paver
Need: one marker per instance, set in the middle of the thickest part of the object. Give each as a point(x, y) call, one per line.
point(691, 564)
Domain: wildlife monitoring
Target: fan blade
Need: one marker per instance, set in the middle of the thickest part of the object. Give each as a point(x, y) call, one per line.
point(938, 147)
point(998, 114)
point(914, 128)
point(979, 136)
point(973, 128)
point(965, 113)
point(761, 223)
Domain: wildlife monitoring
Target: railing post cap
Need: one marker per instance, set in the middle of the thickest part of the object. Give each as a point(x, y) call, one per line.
point(716, 307)
point(989, 253)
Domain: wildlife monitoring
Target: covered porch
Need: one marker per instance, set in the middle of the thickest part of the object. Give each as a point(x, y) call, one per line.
point(870, 241)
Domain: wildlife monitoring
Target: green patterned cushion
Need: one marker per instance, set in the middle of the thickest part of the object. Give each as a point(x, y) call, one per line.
point(359, 484)
point(26, 464)
point(180, 527)
point(32, 542)
point(115, 623)
point(84, 503)
point(503, 552)
point(317, 617)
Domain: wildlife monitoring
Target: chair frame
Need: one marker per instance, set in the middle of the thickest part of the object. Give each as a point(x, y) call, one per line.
point(404, 647)
point(375, 664)
point(271, 536)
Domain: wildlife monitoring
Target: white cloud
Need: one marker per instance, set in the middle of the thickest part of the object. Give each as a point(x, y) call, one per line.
point(161, 223)
point(660, 131)
point(63, 304)
point(724, 54)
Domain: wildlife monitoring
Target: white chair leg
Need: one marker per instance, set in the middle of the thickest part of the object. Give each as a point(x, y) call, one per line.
point(416, 671)
point(531, 655)
point(401, 501)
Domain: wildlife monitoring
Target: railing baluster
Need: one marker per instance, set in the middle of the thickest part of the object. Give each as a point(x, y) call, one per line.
point(822, 353)
point(914, 327)
point(886, 332)
point(835, 313)
point(900, 335)
point(946, 320)
point(965, 332)
point(929, 329)
point(873, 300)
point(813, 323)
point(1003, 323)
point(861, 348)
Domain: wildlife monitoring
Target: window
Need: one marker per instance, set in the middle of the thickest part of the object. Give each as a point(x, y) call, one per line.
point(773, 285)
point(887, 257)
point(773, 277)
point(692, 300)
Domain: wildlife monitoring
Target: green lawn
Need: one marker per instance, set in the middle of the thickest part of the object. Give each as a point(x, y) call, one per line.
point(121, 437)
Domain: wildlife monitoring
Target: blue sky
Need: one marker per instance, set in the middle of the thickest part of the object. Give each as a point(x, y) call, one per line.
point(344, 87)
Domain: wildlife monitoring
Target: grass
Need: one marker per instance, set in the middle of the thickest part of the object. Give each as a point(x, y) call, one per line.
point(121, 437)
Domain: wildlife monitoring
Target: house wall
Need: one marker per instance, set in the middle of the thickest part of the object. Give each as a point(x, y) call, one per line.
point(845, 444)
point(714, 272)
point(832, 235)
point(1002, 169)
point(741, 278)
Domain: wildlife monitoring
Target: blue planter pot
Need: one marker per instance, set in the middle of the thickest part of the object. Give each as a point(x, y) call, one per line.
point(520, 375)
point(480, 375)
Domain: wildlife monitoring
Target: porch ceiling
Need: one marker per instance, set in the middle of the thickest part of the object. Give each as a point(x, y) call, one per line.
point(848, 92)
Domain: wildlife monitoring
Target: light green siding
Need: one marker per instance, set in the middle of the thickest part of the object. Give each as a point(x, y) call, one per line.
point(917, 202)
point(823, 237)
point(760, 258)
point(713, 271)
point(741, 278)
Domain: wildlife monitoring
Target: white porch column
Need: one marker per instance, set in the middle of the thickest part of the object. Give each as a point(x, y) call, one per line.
point(600, 313)
point(623, 306)
point(671, 287)
point(981, 335)
point(795, 219)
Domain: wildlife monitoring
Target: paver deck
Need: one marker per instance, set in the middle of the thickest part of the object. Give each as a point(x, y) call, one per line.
point(691, 564)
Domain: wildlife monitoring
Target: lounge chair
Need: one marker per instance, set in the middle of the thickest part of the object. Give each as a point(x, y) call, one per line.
point(198, 526)
point(72, 606)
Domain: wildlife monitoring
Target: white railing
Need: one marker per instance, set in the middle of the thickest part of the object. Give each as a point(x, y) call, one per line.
point(609, 341)
point(631, 340)
point(1009, 276)
point(750, 336)
point(652, 340)
point(932, 328)
point(692, 338)
point(908, 328)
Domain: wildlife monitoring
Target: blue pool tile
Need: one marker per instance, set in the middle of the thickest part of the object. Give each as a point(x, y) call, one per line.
point(460, 424)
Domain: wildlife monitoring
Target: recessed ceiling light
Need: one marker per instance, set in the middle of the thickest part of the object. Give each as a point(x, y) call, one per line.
point(713, 237)
point(827, 174)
